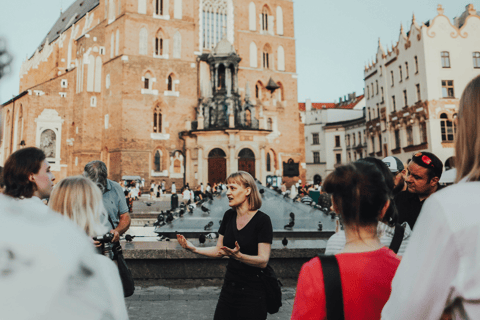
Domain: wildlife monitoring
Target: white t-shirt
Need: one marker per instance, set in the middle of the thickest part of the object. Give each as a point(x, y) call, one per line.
point(50, 269)
point(336, 243)
point(441, 266)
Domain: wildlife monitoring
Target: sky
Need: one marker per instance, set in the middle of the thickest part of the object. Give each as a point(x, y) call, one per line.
point(334, 39)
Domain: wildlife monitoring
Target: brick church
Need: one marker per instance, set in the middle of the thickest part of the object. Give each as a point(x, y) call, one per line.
point(185, 91)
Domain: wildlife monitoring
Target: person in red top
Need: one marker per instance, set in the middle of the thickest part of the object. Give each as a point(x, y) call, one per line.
point(361, 196)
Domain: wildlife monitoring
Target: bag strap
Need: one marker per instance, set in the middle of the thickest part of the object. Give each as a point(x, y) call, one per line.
point(111, 222)
point(333, 287)
point(397, 238)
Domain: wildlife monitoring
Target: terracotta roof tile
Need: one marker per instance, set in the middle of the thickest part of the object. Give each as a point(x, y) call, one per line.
point(330, 105)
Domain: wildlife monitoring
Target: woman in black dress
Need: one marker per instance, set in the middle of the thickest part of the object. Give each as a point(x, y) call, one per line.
point(245, 236)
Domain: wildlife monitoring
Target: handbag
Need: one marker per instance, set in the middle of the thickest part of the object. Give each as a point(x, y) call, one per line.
point(333, 287)
point(125, 274)
point(397, 238)
point(272, 288)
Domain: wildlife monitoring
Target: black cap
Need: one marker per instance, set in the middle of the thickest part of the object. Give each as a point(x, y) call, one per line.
point(429, 160)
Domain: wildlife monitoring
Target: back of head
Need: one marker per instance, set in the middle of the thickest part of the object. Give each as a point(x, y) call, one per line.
point(97, 172)
point(79, 199)
point(467, 146)
point(246, 180)
point(18, 168)
point(359, 192)
point(391, 216)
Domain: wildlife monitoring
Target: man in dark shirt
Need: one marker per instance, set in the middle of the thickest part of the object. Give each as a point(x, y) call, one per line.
point(423, 174)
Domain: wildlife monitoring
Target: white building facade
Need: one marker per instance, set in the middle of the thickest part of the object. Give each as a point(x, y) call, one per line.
point(326, 126)
point(413, 90)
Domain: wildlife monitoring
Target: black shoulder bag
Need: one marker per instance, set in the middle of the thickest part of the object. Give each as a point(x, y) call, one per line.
point(125, 273)
point(272, 288)
point(333, 287)
point(397, 238)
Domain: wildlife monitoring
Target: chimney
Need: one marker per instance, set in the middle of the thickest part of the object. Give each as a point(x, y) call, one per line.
point(340, 100)
point(354, 95)
point(308, 105)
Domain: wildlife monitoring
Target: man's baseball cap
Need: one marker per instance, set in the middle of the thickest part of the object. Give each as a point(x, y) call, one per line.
point(394, 164)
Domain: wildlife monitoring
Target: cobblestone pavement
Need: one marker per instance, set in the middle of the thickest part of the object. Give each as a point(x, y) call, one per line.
point(189, 300)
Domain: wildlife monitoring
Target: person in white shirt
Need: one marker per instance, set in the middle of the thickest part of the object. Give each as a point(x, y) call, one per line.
point(174, 188)
point(53, 270)
point(439, 276)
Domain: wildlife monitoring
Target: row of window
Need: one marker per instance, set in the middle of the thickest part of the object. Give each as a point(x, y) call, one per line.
point(353, 139)
point(445, 58)
point(267, 19)
point(447, 92)
point(338, 157)
point(267, 57)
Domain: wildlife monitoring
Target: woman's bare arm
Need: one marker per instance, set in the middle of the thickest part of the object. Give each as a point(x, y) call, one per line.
point(259, 261)
point(212, 252)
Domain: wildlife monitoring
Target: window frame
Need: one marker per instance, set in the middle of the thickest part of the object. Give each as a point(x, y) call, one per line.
point(315, 138)
point(476, 59)
point(337, 141)
point(445, 59)
point(316, 157)
point(447, 86)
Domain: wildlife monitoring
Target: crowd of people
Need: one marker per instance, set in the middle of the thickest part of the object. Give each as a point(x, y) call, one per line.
point(406, 247)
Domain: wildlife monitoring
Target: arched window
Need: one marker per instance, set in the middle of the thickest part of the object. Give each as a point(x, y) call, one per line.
point(253, 55)
point(111, 11)
point(258, 90)
point(214, 23)
point(447, 128)
point(281, 58)
point(269, 125)
point(98, 74)
point(157, 162)
point(143, 45)
point(252, 17)
point(157, 120)
point(267, 50)
point(117, 43)
point(159, 43)
point(177, 166)
point(280, 92)
point(159, 7)
point(112, 45)
point(91, 73)
point(248, 118)
point(265, 19)
point(221, 77)
point(279, 21)
point(170, 86)
point(177, 45)
point(269, 163)
point(147, 81)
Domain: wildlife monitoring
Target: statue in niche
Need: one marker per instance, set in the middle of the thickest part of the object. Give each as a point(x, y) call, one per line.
point(48, 140)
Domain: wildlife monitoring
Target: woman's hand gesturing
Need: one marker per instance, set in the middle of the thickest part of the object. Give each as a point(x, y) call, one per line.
point(185, 243)
point(234, 253)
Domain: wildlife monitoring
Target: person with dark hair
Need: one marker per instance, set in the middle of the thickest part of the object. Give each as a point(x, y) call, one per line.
point(423, 173)
point(366, 268)
point(245, 236)
point(398, 171)
point(113, 198)
point(387, 227)
point(27, 175)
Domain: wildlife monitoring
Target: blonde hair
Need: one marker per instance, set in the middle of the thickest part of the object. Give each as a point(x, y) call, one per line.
point(246, 180)
point(79, 199)
point(467, 146)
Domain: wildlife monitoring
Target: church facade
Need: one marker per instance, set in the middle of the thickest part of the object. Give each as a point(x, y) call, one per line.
point(186, 91)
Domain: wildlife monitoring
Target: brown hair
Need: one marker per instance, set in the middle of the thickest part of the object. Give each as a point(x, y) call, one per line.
point(18, 168)
point(79, 199)
point(359, 192)
point(246, 180)
point(467, 146)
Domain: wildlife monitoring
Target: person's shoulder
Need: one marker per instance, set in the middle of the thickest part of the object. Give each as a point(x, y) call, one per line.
point(262, 216)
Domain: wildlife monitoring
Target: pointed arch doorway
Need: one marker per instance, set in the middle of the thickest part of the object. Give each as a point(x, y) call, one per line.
point(217, 166)
point(246, 161)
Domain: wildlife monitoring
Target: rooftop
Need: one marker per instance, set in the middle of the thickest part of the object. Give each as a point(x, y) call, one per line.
point(349, 104)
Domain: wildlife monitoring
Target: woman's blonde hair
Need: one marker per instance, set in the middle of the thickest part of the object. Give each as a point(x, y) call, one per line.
point(467, 146)
point(246, 180)
point(79, 199)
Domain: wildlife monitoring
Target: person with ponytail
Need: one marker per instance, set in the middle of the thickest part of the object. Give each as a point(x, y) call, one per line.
point(366, 267)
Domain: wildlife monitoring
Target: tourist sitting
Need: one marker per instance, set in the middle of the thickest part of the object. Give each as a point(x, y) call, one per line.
point(439, 271)
point(80, 200)
point(361, 197)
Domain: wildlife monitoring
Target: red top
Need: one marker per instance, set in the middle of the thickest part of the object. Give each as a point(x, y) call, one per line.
point(366, 285)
